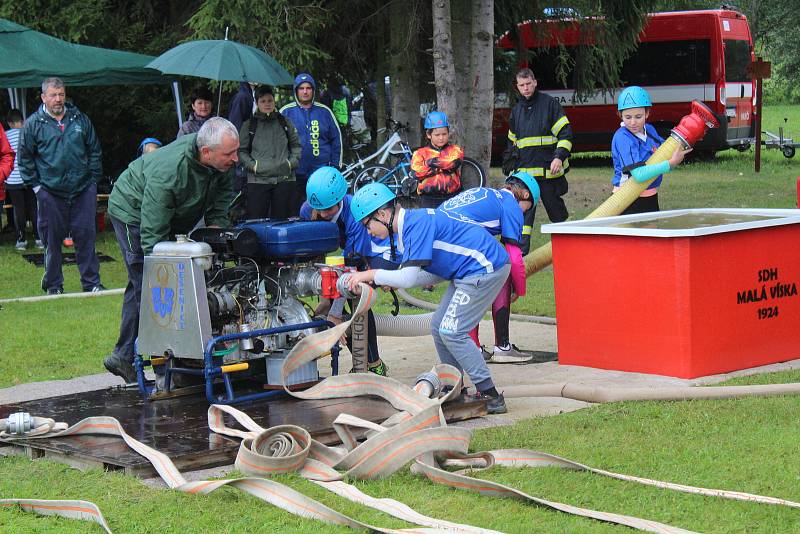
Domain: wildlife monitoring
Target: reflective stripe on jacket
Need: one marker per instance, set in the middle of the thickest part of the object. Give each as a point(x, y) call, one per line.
point(539, 131)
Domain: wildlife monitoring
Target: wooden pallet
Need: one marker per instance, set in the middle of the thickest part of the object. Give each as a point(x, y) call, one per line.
point(178, 427)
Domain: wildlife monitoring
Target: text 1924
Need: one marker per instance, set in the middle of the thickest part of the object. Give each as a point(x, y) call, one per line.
point(768, 313)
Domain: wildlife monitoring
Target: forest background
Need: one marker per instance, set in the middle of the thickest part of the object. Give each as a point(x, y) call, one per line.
point(439, 52)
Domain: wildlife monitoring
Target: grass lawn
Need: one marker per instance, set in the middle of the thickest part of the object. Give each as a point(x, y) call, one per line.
point(742, 444)
point(701, 443)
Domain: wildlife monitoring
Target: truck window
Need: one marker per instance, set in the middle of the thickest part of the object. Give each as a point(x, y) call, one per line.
point(737, 57)
point(669, 63)
point(656, 63)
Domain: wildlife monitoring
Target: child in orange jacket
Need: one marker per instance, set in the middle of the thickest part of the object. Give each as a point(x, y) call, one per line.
point(437, 165)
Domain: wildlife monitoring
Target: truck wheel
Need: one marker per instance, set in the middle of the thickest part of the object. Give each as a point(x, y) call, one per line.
point(788, 151)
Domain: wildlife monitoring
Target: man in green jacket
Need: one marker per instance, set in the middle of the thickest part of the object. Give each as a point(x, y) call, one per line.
point(59, 157)
point(159, 195)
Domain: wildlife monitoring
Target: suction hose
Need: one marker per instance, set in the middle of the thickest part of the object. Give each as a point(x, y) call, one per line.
point(691, 129)
point(602, 394)
point(403, 325)
point(388, 325)
point(425, 305)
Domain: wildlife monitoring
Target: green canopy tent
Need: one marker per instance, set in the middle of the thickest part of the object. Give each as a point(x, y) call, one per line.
point(30, 56)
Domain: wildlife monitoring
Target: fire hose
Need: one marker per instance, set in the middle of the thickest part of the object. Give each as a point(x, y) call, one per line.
point(418, 433)
point(689, 130)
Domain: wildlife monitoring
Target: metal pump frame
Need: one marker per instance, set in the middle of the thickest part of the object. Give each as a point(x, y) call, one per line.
point(213, 368)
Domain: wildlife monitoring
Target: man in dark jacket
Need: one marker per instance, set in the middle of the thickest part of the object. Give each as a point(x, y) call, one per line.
point(159, 195)
point(539, 143)
point(318, 130)
point(242, 104)
point(269, 152)
point(60, 158)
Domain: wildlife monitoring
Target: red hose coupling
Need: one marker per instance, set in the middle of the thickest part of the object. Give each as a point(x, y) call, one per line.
point(329, 278)
point(693, 126)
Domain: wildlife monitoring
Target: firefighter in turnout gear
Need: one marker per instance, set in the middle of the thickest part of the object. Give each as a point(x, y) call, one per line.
point(539, 143)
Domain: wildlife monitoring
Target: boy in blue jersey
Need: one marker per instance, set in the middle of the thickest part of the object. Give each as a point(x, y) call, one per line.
point(632, 146)
point(435, 247)
point(327, 200)
point(503, 212)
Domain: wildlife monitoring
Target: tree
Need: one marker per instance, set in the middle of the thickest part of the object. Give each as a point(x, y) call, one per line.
point(464, 74)
point(404, 66)
point(285, 29)
point(122, 115)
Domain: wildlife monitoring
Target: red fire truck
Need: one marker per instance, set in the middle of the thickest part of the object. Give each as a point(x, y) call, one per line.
point(682, 56)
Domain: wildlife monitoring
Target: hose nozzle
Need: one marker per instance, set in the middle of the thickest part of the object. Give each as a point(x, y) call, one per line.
point(693, 126)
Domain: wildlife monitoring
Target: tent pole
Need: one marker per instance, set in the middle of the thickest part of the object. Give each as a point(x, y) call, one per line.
point(12, 97)
point(23, 100)
point(176, 92)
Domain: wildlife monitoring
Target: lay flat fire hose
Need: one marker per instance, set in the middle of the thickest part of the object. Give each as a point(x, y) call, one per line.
point(418, 432)
point(689, 130)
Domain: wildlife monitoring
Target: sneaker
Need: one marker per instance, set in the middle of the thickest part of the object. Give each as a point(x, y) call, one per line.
point(494, 405)
point(39, 244)
point(487, 354)
point(68, 242)
point(21, 245)
point(379, 369)
point(510, 355)
point(55, 290)
point(119, 367)
point(95, 289)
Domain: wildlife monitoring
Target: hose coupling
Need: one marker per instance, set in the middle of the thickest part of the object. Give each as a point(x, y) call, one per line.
point(428, 384)
point(341, 286)
point(19, 423)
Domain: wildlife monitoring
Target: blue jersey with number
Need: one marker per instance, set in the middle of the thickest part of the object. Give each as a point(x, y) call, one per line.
point(447, 247)
point(494, 209)
point(354, 239)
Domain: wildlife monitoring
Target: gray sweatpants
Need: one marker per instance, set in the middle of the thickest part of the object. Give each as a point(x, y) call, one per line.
point(462, 307)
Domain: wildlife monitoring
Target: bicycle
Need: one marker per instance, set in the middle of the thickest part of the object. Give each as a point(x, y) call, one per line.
point(401, 180)
point(394, 146)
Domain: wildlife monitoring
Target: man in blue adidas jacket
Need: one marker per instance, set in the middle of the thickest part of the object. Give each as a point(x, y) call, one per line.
point(319, 133)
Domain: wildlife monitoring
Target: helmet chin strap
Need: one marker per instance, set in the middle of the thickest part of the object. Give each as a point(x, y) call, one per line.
point(389, 228)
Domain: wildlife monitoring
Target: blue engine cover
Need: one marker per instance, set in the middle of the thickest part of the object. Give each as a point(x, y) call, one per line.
point(283, 239)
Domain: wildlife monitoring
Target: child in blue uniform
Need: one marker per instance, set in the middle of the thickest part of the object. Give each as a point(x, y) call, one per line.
point(501, 211)
point(327, 200)
point(632, 146)
point(436, 247)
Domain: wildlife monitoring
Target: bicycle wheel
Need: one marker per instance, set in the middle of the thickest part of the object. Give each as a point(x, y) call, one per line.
point(376, 173)
point(472, 174)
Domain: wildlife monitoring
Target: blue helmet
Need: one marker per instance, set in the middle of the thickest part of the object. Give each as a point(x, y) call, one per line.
point(326, 187)
point(148, 141)
point(530, 182)
point(369, 199)
point(436, 119)
point(633, 97)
